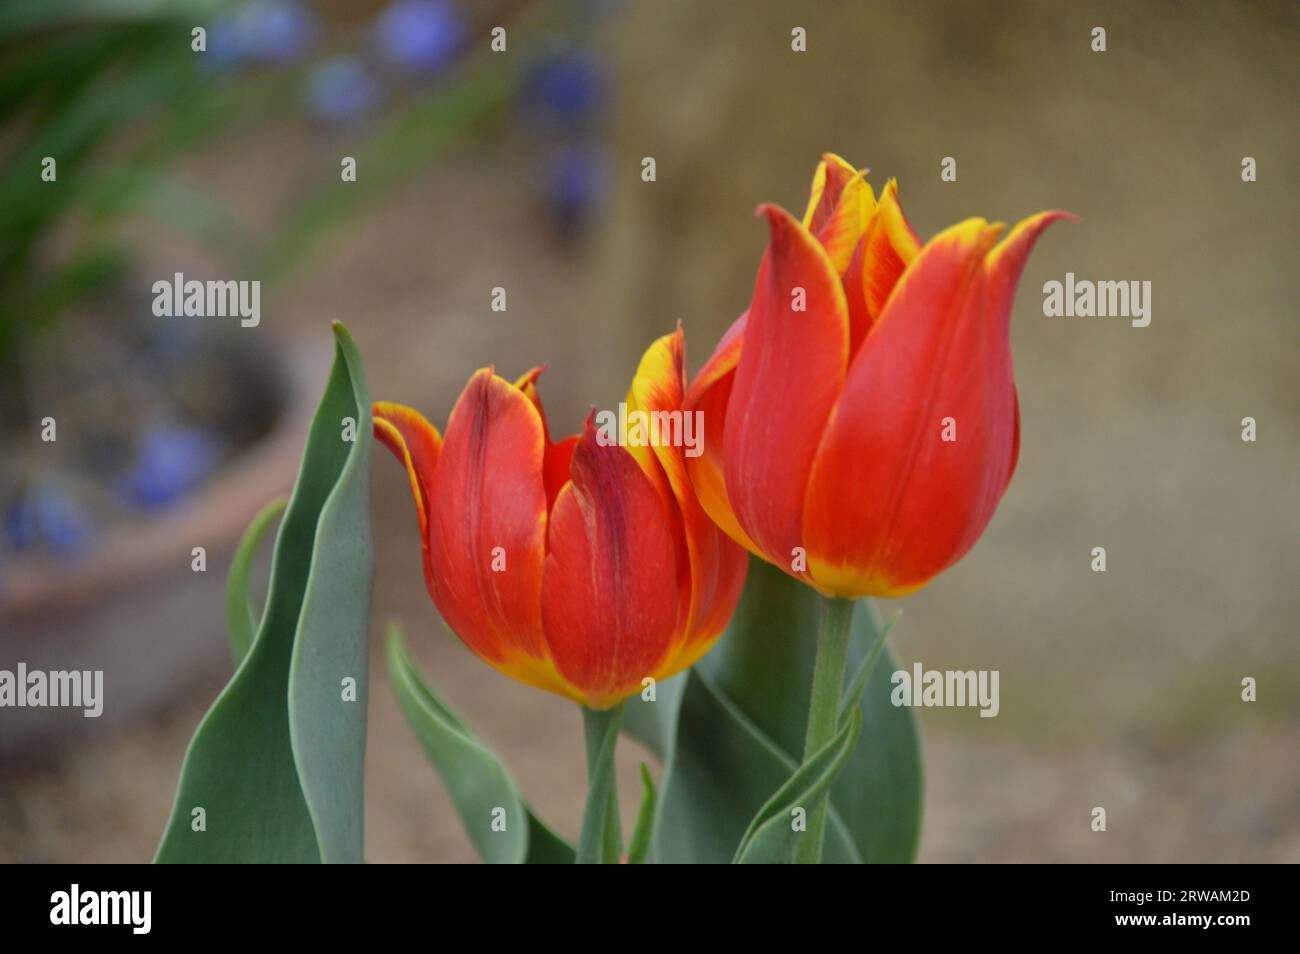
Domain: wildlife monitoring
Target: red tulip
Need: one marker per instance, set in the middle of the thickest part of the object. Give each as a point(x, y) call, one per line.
point(861, 417)
point(575, 566)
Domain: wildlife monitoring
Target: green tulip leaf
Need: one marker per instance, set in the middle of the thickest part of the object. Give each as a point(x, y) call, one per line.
point(653, 722)
point(858, 682)
point(481, 787)
point(771, 835)
point(639, 847)
point(720, 772)
point(735, 735)
point(240, 615)
point(274, 771)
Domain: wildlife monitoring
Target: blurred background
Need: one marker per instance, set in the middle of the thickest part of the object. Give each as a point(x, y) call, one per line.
point(521, 169)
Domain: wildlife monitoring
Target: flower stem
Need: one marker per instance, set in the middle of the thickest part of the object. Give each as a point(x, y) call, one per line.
point(836, 616)
point(602, 835)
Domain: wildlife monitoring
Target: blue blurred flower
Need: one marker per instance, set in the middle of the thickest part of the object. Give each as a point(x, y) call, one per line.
point(45, 516)
point(565, 90)
point(223, 46)
point(275, 31)
point(419, 36)
point(262, 31)
point(171, 462)
point(340, 90)
point(575, 183)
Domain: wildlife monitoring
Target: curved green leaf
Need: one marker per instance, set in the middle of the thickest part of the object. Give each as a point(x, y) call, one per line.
point(738, 727)
point(478, 782)
point(276, 764)
point(858, 682)
point(240, 615)
point(545, 847)
point(654, 723)
point(329, 674)
point(639, 847)
point(771, 836)
point(721, 769)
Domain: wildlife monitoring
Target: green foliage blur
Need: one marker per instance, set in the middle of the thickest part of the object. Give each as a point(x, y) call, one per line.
point(75, 77)
point(113, 90)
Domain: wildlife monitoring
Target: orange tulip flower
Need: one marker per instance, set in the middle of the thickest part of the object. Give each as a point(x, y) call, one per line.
point(578, 566)
point(861, 418)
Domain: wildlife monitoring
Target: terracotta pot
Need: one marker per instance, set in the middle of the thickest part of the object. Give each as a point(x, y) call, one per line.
point(133, 607)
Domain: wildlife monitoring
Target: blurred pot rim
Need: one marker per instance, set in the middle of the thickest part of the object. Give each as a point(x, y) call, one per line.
point(213, 518)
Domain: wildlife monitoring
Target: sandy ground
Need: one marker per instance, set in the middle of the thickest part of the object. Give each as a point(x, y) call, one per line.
point(1119, 689)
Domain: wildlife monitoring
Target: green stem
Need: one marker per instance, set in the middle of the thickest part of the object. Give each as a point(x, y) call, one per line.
point(602, 835)
point(823, 711)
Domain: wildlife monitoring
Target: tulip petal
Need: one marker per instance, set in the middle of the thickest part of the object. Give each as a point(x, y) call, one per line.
point(709, 395)
point(609, 594)
point(855, 296)
point(840, 208)
point(890, 246)
point(655, 387)
point(716, 566)
point(1015, 443)
point(487, 529)
point(556, 463)
point(556, 468)
point(886, 247)
point(416, 444)
point(843, 230)
point(789, 375)
point(890, 503)
point(656, 393)
point(829, 179)
point(1004, 265)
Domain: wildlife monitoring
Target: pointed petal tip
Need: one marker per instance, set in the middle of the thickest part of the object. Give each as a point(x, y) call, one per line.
point(1022, 237)
point(1041, 220)
point(529, 378)
point(780, 222)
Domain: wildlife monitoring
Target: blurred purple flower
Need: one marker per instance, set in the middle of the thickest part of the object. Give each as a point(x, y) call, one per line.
point(340, 90)
point(565, 90)
point(275, 31)
point(419, 36)
point(575, 183)
point(43, 516)
point(171, 462)
point(262, 31)
point(223, 47)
